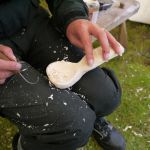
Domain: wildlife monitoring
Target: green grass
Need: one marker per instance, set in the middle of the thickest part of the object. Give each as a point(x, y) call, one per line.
point(133, 70)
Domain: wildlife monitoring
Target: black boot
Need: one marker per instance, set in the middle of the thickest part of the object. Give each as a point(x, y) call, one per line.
point(107, 136)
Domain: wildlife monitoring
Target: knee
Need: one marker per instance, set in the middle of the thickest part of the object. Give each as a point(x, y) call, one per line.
point(112, 95)
point(116, 90)
point(76, 121)
point(82, 125)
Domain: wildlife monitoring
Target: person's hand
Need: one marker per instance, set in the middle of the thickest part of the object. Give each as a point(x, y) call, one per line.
point(8, 68)
point(79, 33)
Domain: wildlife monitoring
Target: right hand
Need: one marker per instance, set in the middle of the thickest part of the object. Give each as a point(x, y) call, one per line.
point(79, 33)
point(8, 68)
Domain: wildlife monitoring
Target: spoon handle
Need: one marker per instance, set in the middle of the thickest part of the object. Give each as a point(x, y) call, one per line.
point(98, 59)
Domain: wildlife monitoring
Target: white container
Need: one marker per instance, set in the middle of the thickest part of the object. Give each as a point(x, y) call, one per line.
point(143, 14)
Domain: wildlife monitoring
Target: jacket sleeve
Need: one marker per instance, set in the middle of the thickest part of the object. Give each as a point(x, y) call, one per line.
point(65, 11)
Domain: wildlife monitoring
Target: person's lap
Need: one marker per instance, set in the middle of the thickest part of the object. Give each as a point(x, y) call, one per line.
point(99, 86)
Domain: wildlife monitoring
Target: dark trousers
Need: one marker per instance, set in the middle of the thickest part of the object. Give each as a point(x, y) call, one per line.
point(49, 118)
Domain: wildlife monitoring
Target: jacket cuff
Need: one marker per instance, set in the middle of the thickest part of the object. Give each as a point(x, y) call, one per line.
point(67, 16)
point(74, 15)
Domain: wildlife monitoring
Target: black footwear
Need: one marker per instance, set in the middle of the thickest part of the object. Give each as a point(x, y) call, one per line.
point(107, 136)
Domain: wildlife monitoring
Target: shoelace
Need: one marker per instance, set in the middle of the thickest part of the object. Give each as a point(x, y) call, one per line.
point(103, 128)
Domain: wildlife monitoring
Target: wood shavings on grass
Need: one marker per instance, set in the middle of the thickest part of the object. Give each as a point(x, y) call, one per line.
point(126, 128)
point(139, 90)
point(149, 106)
point(137, 134)
point(116, 119)
point(148, 142)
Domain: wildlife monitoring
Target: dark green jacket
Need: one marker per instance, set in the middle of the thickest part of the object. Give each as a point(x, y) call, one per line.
point(14, 14)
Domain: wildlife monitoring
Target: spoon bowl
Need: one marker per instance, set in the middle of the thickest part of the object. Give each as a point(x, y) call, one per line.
point(62, 74)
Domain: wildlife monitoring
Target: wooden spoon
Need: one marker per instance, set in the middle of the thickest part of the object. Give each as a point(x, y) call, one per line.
point(64, 74)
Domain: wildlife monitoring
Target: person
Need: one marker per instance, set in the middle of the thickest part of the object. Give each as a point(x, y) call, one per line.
point(49, 118)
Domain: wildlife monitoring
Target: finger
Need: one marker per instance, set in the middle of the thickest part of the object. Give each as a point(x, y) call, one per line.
point(100, 34)
point(5, 74)
point(9, 65)
point(118, 48)
point(2, 81)
point(87, 44)
point(8, 52)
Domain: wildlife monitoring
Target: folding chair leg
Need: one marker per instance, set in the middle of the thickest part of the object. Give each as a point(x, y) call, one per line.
point(123, 37)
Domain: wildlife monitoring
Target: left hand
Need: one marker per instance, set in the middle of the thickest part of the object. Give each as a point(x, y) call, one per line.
point(79, 33)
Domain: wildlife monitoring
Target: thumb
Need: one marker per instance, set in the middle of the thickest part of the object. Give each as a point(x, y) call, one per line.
point(8, 53)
